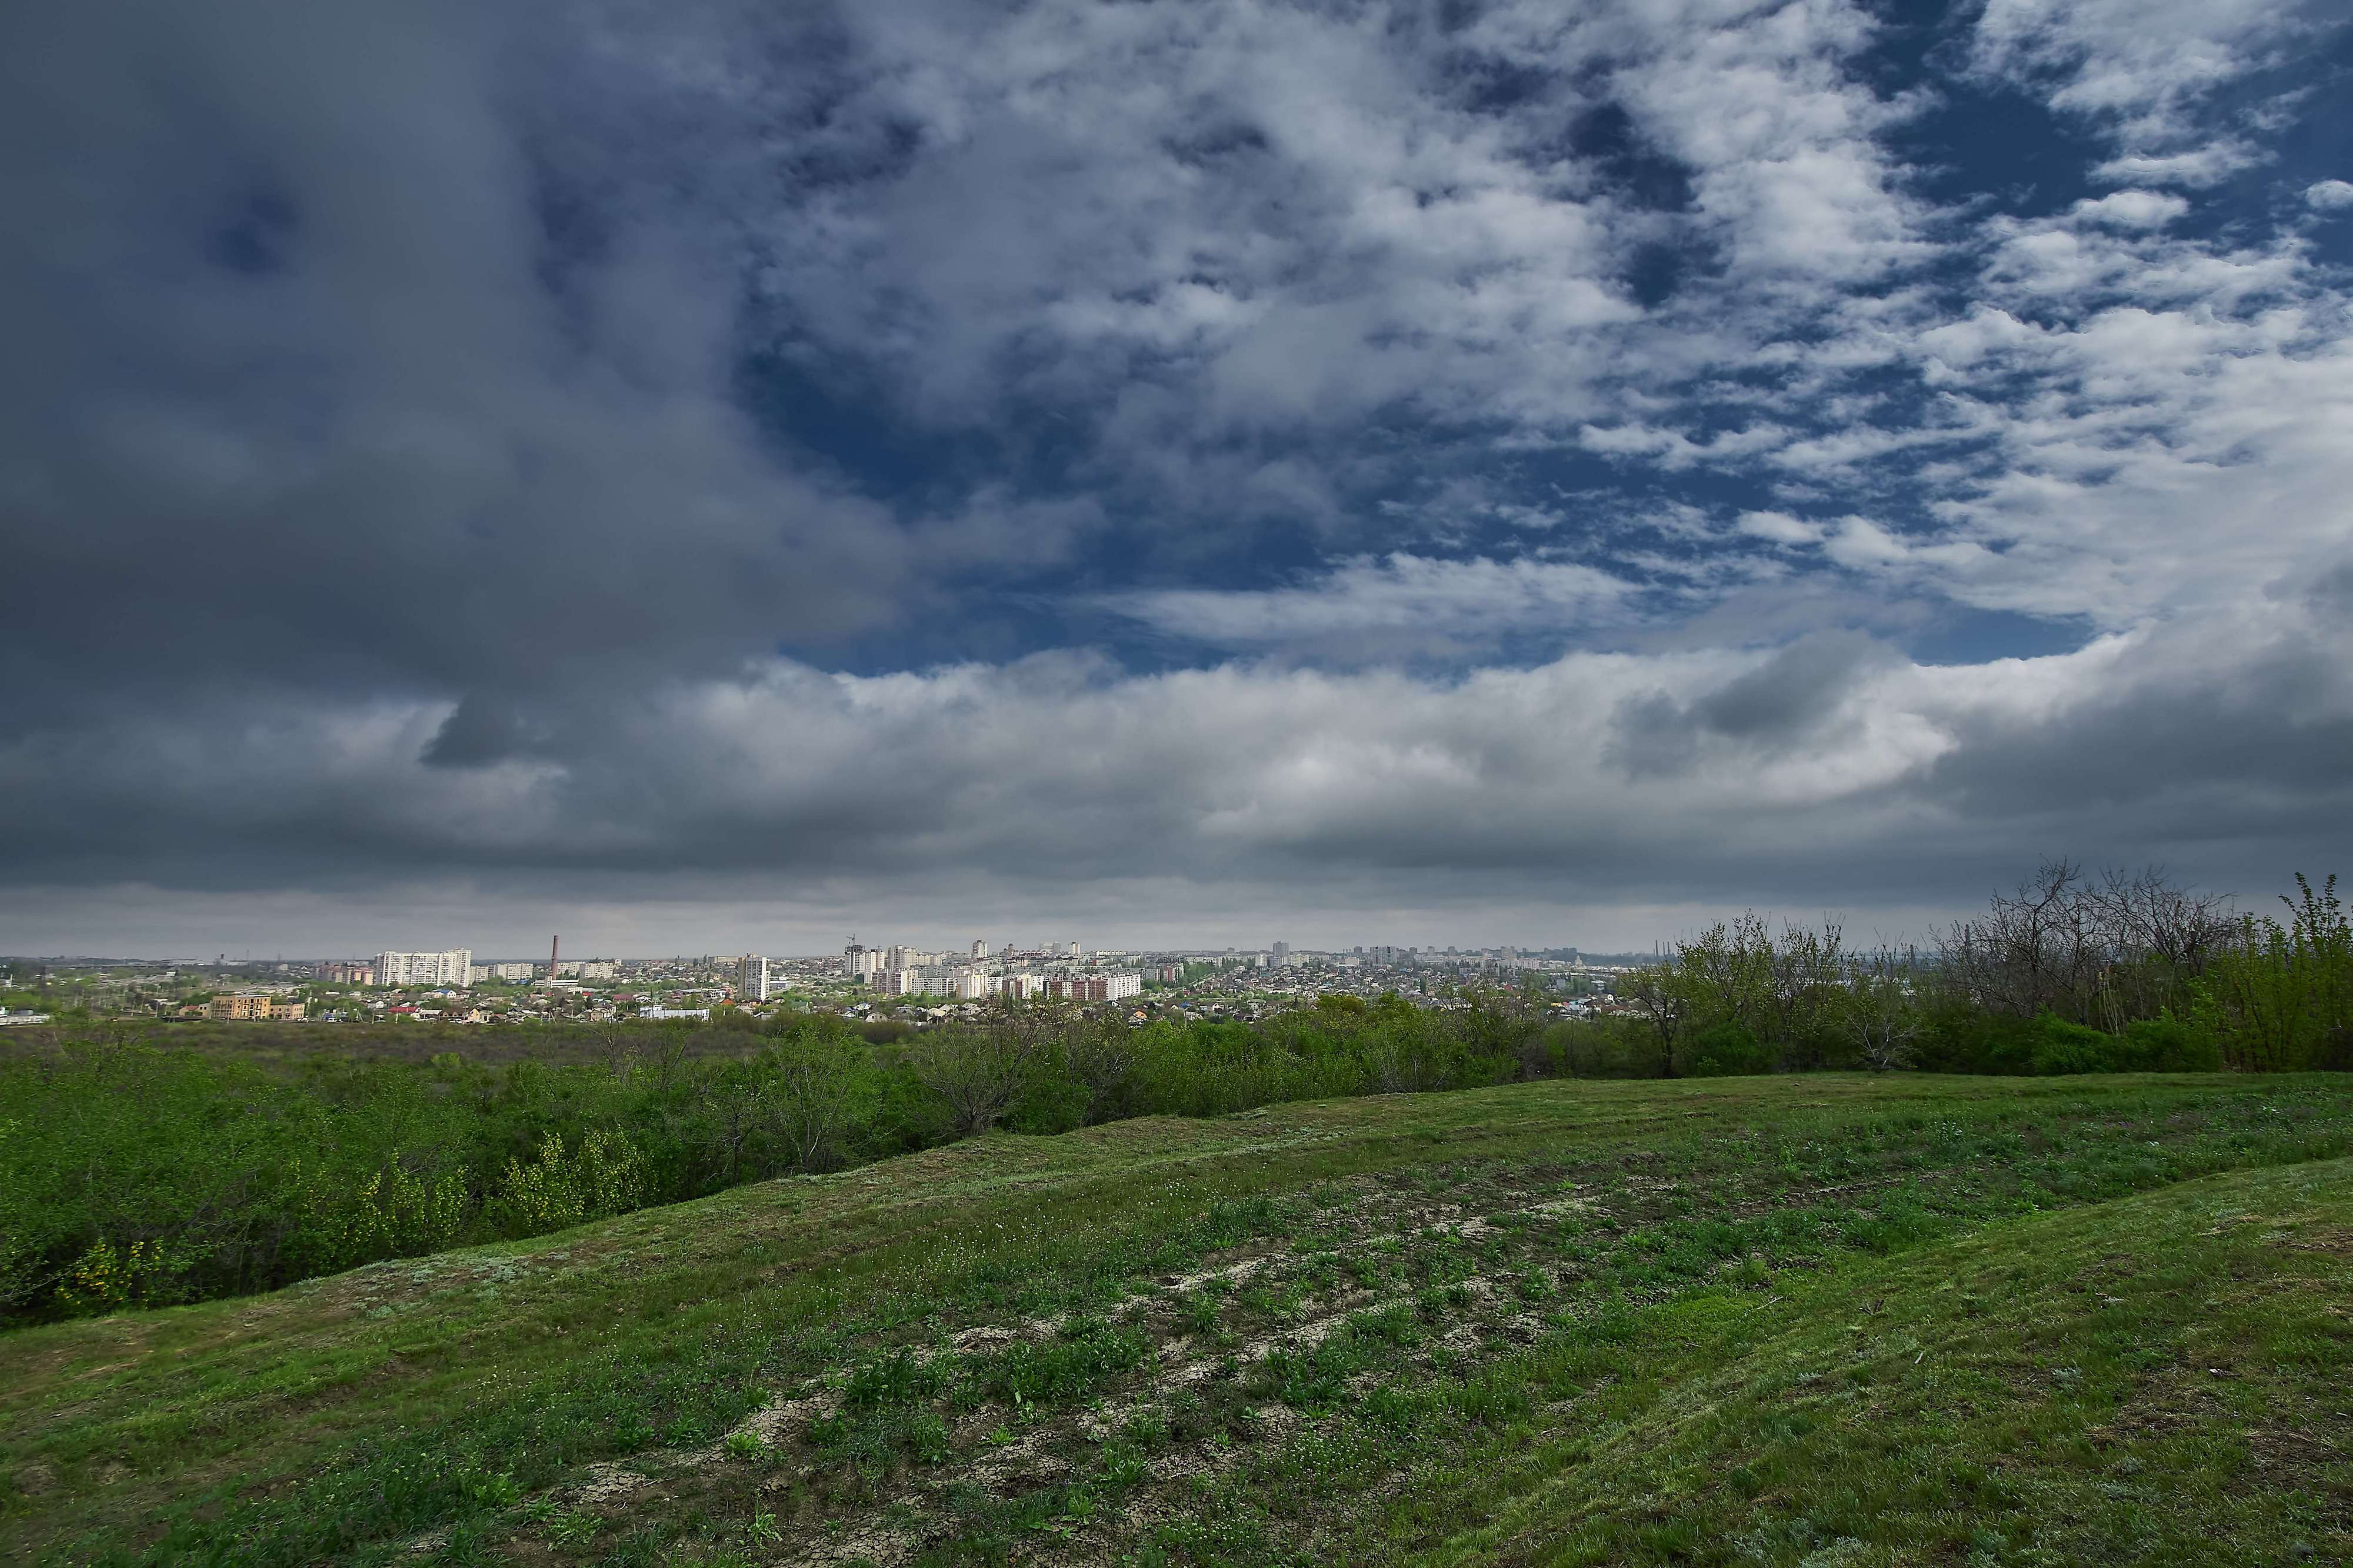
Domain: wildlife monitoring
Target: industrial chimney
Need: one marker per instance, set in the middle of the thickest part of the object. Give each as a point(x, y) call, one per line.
point(554, 942)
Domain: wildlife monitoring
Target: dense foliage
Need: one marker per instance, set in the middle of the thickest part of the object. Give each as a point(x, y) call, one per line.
point(134, 1175)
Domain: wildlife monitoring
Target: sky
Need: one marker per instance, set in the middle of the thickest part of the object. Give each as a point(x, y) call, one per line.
point(705, 476)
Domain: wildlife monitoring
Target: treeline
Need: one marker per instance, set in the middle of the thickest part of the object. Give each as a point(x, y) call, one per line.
point(133, 1176)
point(2067, 973)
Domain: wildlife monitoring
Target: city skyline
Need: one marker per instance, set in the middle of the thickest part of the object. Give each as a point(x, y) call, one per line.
point(412, 964)
point(939, 941)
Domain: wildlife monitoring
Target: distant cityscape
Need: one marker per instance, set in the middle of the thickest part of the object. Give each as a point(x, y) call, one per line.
point(452, 986)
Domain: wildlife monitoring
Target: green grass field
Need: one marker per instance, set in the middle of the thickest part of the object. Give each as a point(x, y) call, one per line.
point(1826, 1320)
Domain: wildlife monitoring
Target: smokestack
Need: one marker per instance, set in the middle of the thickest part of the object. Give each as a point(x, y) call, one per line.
point(552, 943)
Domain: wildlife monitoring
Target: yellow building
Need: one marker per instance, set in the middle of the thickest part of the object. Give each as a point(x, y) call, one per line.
point(228, 1008)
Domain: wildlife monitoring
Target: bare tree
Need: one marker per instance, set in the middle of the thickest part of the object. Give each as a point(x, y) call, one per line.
point(2096, 951)
point(2022, 955)
point(1878, 1011)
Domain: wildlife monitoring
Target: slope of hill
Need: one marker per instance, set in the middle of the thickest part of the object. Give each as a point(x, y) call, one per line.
point(1819, 1320)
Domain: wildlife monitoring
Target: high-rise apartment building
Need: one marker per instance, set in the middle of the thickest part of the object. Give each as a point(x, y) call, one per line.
point(452, 968)
point(1281, 951)
point(509, 970)
point(1094, 987)
point(980, 947)
point(752, 978)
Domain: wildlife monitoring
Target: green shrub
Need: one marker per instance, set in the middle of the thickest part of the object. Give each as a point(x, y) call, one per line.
point(604, 1174)
point(2170, 1044)
point(1050, 1104)
point(1726, 1049)
point(1974, 1040)
point(2060, 1046)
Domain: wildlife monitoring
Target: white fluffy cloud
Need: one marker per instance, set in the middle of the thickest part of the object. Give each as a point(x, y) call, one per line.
point(1397, 604)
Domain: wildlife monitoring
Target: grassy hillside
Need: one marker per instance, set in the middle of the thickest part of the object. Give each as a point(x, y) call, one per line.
point(1827, 1319)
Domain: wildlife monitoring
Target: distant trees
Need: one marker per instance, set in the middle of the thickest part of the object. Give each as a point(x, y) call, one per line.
point(2066, 972)
point(1755, 1002)
point(2095, 951)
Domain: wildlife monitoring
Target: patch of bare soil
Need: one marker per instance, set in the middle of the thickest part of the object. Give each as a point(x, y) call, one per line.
point(1210, 1328)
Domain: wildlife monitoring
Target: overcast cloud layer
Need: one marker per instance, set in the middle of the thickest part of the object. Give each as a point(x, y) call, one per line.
point(724, 475)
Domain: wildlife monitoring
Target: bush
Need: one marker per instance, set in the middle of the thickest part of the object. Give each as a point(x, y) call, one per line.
point(2060, 1046)
point(2169, 1045)
point(604, 1174)
point(1727, 1049)
point(1050, 1104)
point(1965, 1039)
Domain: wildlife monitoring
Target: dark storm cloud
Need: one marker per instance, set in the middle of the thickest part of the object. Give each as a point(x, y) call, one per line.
point(653, 448)
point(1809, 769)
point(1782, 703)
point(311, 381)
point(2242, 746)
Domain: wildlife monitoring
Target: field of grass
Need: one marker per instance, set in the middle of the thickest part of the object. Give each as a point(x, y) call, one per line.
point(1828, 1319)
